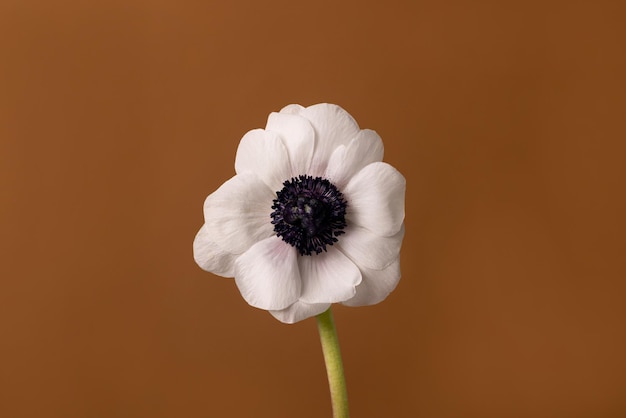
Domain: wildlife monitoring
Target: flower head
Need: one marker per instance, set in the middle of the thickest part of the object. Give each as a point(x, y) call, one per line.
point(312, 217)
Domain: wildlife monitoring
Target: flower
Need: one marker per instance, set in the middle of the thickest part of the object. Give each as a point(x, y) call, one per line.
point(312, 217)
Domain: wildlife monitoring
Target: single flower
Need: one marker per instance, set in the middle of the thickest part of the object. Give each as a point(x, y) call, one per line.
point(312, 217)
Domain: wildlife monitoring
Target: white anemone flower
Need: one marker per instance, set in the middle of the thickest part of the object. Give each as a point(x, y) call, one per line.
point(312, 217)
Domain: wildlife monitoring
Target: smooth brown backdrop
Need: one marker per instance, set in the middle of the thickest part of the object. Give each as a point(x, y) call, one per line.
point(117, 118)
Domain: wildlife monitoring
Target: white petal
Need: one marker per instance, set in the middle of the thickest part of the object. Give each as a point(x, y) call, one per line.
point(328, 277)
point(292, 109)
point(369, 250)
point(335, 168)
point(238, 213)
point(333, 127)
point(298, 136)
point(267, 274)
point(264, 154)
point(346, 161)
point(211, 257)
point(376, 285)
point(299, 311)
point(375, 197)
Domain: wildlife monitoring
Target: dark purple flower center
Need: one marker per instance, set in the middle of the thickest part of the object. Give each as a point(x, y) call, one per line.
point(309, 213)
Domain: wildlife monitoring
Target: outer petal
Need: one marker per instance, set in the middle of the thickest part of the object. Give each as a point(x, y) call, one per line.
point(333, 127)
point(375, 197)
point(369, 250)
point(299, 138)
point(267, 274)
point(328, 277)
point(212, 258)
point(376, 285)
point(238, 213)
point(264, 154)
point(346, 161)
point(299, 311)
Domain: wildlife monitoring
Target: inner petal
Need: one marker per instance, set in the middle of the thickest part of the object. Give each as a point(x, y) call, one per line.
point(328, 278)
point(264, 154)
point(299, 138)
point(347, 160)
point(376, 196)
point(267, 275)
point(236, 214)
point(333, 127)
point(370, 250)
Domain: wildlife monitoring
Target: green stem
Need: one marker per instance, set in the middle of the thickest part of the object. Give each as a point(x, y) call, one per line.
point(334, 365)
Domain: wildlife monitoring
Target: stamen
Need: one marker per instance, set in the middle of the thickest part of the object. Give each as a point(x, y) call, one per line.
point(309, 213)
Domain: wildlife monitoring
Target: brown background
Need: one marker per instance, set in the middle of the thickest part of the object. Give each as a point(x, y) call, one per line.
point(507, 118)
